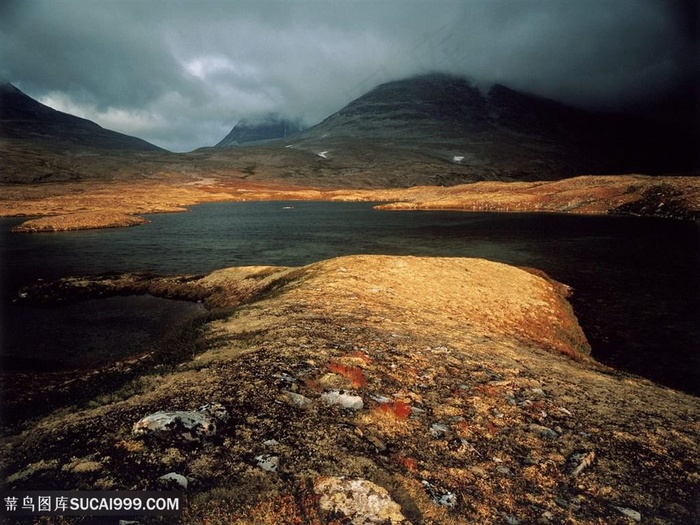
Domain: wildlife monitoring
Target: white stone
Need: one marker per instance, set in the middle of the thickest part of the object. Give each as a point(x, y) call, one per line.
point(438, 430)
point(192, 425)
point(361, 501)
point(335, 397)
point(268, 462)
point(173, 477)
point(448, 499)
point(441, 497)
point(380, 399)
point(632, 514)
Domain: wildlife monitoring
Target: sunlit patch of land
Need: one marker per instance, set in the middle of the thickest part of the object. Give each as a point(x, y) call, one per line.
point(474, 376)
point(95, 204)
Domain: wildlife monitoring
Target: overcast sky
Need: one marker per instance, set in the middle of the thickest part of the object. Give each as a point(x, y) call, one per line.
point(181, 74)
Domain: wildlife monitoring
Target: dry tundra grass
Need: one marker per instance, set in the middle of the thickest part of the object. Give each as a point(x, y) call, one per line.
point(469, 388)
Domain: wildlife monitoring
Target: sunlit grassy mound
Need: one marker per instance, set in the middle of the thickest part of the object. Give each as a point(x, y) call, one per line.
point(471, 400)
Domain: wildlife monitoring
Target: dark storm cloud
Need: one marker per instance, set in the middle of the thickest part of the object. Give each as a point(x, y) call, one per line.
point(180, 74)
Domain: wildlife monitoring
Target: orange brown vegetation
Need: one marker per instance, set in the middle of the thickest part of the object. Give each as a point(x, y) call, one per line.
point(475, 430)
point(396, 409)
point(409, 464)
point(352, 373)
point(677, 197)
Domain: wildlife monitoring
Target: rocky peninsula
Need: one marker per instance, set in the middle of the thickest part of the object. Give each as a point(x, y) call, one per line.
point(364, 389)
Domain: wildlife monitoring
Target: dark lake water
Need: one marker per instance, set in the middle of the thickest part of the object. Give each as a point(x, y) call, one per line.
point(636, 280)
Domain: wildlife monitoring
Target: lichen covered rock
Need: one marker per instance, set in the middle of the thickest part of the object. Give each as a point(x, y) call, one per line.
point(361, 501)
point(194, 425)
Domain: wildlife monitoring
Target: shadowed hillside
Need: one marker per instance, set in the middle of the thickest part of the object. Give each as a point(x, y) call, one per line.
point(249, 131)
point(493, 134)
point(22, 117)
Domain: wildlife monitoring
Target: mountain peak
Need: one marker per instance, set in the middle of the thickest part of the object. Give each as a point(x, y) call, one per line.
point(258, 129)
point(7, 87)
point(497, 132)
point(22, 117)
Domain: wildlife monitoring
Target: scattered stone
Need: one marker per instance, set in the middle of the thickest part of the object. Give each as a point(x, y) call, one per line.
point(359, 500)
point(297, 400)
point(439, 496)
point(268, 462)
point(173, 478)
point(271, 443)
point(380, 399)
point(543, 431)
point(538, 392)
point(630, 513)
point(438, 430)
point(493, 375)
point(184, 425)
point(511, 520)
point(468, 446)
point(582, 461)
point(216, 410)
point(417, 411)
point(562, 503)
point(286, 379)
point(337, 397)
point(376, 442)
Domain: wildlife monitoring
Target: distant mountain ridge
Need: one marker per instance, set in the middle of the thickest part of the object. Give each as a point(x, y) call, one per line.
point(22, 117)
point(270, 127)
point(499, 129)
point(433, 129)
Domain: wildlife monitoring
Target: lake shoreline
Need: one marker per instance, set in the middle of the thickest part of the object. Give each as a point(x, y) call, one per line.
point(608, 261)
point(93, 207)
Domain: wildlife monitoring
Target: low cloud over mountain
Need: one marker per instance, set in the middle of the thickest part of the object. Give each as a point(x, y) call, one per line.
point(181, 77)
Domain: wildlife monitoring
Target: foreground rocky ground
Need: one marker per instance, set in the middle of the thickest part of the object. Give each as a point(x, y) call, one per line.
point(365, 390)
point(91, 204)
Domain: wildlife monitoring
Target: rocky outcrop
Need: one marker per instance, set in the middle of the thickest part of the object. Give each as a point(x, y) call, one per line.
point(194, 425)
point(359, 500)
